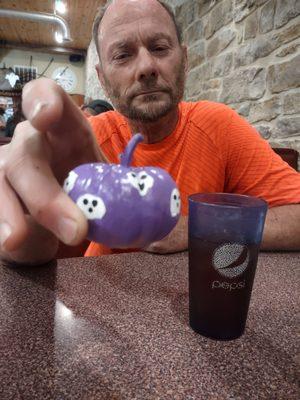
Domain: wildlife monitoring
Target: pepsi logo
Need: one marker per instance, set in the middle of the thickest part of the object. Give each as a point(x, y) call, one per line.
point(231, 259)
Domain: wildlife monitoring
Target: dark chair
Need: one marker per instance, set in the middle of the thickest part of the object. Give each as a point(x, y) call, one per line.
point(288, 155)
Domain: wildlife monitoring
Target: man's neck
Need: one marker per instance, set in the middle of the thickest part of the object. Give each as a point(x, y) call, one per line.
point(154, 132)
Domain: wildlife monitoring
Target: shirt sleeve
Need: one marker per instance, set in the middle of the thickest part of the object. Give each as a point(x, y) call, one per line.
point(253, 168)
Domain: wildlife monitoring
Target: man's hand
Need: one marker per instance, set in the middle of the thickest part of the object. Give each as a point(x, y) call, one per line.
point(55, 138)
point(175, 242)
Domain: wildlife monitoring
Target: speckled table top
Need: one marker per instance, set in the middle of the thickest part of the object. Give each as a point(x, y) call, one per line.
point(116, 327)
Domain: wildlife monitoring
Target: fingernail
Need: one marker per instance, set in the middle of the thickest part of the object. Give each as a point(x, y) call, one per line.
point(67, 230)
point(37, 108)
point(5, 232)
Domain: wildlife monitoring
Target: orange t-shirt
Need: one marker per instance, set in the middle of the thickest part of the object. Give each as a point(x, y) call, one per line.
point(212, 149)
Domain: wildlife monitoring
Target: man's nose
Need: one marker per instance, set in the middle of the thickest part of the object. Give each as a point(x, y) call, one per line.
point(146, 66)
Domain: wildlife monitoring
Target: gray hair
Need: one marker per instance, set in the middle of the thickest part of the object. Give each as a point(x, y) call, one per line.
point(101, 11)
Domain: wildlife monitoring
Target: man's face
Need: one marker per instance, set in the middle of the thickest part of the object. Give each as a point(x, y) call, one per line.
point(142, 64)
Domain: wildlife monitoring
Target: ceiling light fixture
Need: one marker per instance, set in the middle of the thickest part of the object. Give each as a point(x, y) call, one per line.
point(58, 37)
point(60, 7)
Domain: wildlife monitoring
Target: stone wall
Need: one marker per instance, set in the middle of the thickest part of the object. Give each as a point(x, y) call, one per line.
point(93, 88)
point(245, 53)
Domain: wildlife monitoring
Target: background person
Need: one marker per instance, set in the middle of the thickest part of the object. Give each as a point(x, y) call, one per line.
point(96, 107)
point(2, 122)
point(12, 122)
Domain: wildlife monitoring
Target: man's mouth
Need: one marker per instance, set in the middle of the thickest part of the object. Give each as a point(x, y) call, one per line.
point(149, 92)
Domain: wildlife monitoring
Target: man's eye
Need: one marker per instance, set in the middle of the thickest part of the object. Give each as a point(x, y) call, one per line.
point(159, 49)
point(121, 56)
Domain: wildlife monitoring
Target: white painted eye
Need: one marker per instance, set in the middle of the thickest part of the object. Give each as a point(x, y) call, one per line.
point(132, 179)
point(145, 182)
point(69, 182)
point(141, 181)
point(175, 202)
point(92, 206)
point(132, 174)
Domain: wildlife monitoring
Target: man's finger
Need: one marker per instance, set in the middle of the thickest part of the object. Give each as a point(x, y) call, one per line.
point(40, 192)
point(50, 109)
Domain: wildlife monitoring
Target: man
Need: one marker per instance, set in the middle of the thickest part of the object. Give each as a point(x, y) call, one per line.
point(12, 122)
point(142, 66)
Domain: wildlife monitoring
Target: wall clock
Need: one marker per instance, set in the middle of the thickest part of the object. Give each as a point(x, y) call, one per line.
point(65, 77)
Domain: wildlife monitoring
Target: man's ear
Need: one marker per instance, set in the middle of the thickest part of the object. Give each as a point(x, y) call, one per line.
point(99, 71)
point(185, 55)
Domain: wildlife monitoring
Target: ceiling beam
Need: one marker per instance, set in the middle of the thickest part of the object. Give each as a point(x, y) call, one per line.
point(42, 49)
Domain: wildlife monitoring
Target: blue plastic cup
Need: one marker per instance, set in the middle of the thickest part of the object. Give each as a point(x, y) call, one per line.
point(225, 232)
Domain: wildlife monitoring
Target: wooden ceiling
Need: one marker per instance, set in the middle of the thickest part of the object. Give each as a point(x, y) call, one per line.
point(20, 33)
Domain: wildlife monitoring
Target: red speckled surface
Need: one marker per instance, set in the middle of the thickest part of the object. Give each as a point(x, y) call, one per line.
point(116, 327)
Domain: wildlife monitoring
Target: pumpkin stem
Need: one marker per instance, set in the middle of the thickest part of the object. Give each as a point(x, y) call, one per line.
point(126, 157)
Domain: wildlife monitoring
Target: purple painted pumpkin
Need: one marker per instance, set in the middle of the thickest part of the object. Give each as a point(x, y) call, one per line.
point(126, 207)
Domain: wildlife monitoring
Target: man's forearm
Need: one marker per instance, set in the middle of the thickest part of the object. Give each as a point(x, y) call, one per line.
point(282, 228)
point(281, 232)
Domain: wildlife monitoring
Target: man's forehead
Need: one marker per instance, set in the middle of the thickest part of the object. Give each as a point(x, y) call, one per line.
point(122, 12)
point(117, 5)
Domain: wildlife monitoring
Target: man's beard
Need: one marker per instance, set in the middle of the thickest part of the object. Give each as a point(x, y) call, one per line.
point(150, 110)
